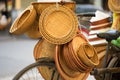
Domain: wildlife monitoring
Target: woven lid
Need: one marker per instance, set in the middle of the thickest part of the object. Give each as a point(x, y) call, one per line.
point(114, 5)
point(24, 21)
point(34, 32)
point(58, 24)
point(45, 49)
point(64, 70)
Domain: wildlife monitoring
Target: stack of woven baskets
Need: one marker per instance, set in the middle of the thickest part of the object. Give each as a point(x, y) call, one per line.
point(57, 24)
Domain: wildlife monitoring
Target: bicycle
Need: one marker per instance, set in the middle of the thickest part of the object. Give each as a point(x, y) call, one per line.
point(111, 64)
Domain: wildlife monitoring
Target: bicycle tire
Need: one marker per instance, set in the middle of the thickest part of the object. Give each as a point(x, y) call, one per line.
point(40, 62)
point(113, 62)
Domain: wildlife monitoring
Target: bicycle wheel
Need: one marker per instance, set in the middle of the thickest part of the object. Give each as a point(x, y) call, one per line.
point(31, 72)
point(113, 63)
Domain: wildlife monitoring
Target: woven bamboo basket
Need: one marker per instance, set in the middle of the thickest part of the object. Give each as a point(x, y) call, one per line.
point(88, 55)
point(45, 49)
point(41, 6)
point(114, 5)
point(58, 25)
point(34, 32)
point(84, 54)
point(74, 55)
point(64, 70)
point(24, 21)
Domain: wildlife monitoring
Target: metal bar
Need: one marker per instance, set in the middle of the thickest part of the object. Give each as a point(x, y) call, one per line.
point(89, 14)
point(106, 70)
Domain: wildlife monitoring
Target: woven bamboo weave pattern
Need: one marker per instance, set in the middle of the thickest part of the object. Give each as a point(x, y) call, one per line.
point(58, 26)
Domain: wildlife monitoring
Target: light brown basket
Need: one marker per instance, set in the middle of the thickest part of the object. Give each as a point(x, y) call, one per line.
point(41, 6)
point(58, 25)
point(45, 49)
point(64, 70)
point(34, 32)
point(24, 21)
point(88, 55)
point(114, 5)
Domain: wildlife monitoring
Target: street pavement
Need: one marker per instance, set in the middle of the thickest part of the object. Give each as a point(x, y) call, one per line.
point(16, 52)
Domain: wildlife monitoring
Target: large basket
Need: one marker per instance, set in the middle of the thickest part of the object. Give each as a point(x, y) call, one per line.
point(41, 6)
point(58, 24)
point(45, 49)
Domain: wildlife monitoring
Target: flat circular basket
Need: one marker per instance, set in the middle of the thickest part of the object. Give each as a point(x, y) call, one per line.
point(45, 49)
point(24, 21)
point(114, 5)
point(58, 24)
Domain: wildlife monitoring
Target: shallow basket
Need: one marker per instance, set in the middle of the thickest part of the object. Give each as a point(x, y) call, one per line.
point(58, 24)
point(24, 21)
point(45, 49)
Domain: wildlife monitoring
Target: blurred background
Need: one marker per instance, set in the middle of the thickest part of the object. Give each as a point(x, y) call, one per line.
point(16, 51)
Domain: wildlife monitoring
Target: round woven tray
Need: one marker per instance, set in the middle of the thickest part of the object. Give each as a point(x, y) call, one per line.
point(24, 21)
point(45, 49)
point(58, 24)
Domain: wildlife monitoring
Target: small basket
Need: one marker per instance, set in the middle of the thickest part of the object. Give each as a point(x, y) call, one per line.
point(24, 21)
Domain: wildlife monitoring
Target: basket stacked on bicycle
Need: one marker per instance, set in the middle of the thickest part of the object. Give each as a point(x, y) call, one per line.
point(56, 25)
